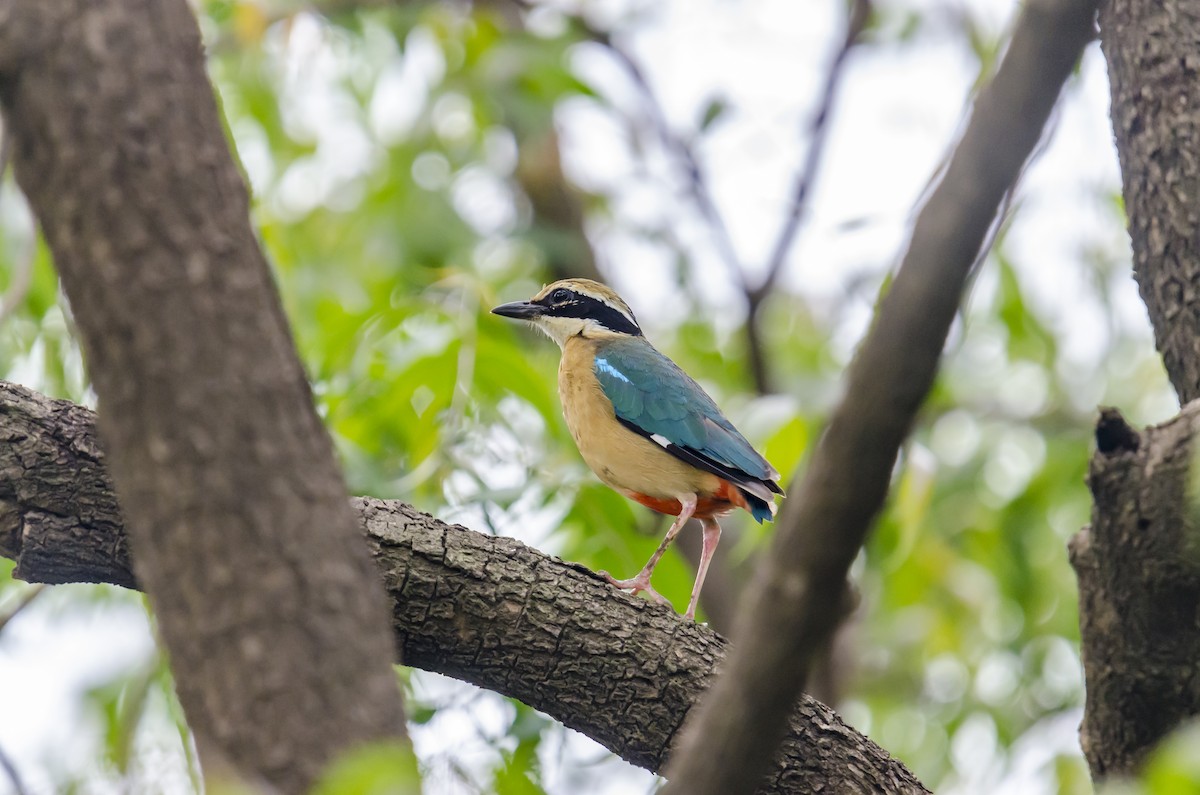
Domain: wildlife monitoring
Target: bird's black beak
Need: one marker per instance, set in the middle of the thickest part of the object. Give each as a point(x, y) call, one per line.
point(521, 310)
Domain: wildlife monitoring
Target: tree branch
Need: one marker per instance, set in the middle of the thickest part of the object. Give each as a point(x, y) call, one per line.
point(14, 776)
point(791, 607)
point(484, 609)
point(701, 195)
point(22, 275)
point(1138, 566)
point(24, 600)
point(859, 15)
point(678, 147)
point(1153, 69)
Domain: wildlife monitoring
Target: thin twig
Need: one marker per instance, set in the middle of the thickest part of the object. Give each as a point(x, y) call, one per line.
point(679, 147)
point(860, 12)
point(22, 280)
point(22, 277)
point(760, 368)
point(11, 771)
point(23, 601)
point(756, 352)
point(131, 711)
point(702, 196)
point(5, 150)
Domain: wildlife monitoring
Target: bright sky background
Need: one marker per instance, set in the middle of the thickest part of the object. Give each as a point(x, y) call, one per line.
point(898, 113)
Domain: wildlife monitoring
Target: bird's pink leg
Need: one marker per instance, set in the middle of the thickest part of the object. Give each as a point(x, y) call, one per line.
point(641, 583)
point(712, 535)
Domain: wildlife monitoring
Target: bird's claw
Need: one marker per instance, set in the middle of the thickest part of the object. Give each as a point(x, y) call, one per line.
point(636, 585)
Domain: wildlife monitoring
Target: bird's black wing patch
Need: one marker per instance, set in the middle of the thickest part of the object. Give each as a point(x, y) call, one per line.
point(703, 462)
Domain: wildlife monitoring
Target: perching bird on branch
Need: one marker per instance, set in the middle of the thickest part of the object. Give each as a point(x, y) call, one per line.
point(643, 425)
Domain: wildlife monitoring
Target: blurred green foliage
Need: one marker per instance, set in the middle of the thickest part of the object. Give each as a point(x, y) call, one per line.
point(1174, 769)
point(382, 146)
point(385, 769)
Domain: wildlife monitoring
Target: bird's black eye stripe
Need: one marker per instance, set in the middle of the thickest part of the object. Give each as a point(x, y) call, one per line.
point(584, 306)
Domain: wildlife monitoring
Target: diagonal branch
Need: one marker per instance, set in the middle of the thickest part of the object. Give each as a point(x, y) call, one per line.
point(14, 776)
point(860, 12)
point(791, 608)
point(487, 610)
point(701, 194)
point(22, 277)
point(679, 148)
point(24, 600)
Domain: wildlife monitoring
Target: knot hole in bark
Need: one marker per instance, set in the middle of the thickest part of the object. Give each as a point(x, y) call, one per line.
point(1115, 435)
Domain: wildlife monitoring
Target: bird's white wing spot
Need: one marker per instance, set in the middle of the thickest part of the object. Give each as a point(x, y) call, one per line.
point(603, 364)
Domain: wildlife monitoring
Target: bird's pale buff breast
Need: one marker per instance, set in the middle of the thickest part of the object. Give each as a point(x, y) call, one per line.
point(621, 458)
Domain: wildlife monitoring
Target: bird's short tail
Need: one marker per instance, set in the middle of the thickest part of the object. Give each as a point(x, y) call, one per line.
point(762, 510)
point(759, 497)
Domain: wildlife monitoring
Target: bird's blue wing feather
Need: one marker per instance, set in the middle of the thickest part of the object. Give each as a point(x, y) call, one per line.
point(650, 392)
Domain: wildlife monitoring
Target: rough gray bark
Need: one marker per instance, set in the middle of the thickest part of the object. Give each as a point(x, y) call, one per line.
point(281, 651)
point(792, 606)
point(1136, 563)
point(1153, 53)
point(1139, 590)
point(483, 609)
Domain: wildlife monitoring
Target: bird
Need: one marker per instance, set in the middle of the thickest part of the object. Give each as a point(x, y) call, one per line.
point(643, 425)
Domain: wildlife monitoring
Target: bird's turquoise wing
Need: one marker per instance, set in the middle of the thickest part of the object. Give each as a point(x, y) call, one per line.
point(649, 392)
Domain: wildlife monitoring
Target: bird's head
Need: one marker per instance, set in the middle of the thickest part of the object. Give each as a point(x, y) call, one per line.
point(575, 307)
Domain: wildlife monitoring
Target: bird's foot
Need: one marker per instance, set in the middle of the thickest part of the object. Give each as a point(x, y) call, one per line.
point(636, 585)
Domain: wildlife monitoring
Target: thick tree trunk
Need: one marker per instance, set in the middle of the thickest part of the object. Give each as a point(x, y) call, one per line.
point(1137, 564)
point(1153, 53)
point(1139, 590)
point(280, 650)
point(486, 610)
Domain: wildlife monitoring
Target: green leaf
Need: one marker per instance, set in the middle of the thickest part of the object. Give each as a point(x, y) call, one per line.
point(713, 111)
point(377, 769)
